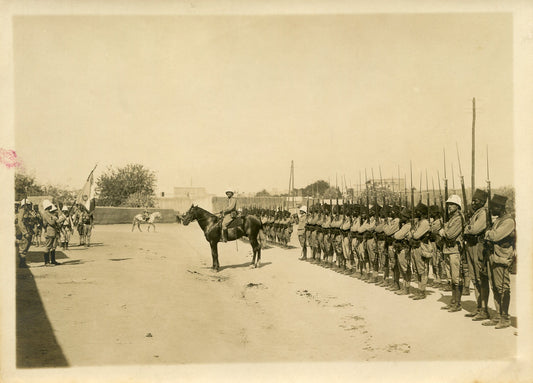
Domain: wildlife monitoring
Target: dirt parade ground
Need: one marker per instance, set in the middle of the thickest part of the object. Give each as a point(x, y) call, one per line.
point(152, 298)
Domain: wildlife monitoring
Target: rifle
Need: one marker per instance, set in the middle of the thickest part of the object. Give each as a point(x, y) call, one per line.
point(427, 190)
point(434, 194)
point(382, 189)
point(420, 190)
point(336, 194)
point(444, 208)
point(399, 188)
point(359, 189)
point(441, 201)
point(367, 195)
point(463, 190)
point(453, 181)
point(488, 246)
point(405, 189)
point(412, 196)
point(489, 215)
point(375, 196)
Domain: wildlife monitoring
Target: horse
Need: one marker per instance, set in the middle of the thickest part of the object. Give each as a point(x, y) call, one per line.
point(140, 218)
point(249, 226)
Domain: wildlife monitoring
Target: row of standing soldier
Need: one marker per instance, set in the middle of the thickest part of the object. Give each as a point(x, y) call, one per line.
point(57, 223)
point(389, 245)
point(277, 223)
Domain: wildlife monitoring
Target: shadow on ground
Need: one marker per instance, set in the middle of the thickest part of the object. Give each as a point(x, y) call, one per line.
point(37, 345)
point(240, 265)
point(470, 306)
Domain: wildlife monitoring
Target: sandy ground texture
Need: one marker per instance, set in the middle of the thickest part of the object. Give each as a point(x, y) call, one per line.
point(152, 298)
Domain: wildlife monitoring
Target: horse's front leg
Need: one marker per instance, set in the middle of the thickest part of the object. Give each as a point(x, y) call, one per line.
point(214, 255)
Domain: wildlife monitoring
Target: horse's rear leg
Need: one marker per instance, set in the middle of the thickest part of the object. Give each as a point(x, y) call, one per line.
point(256, 247)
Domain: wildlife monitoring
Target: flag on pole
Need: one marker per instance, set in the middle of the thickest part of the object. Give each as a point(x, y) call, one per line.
point(87, 194)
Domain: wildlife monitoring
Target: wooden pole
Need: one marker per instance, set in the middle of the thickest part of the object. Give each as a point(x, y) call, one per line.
point(473, 146)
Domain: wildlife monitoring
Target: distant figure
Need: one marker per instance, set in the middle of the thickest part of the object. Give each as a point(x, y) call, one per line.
point(145, 218)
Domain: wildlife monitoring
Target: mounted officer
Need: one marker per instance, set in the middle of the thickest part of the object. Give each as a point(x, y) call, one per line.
point(228, 213)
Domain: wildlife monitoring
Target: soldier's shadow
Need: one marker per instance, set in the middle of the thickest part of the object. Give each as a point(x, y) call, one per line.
point(470, 306)
point(61, 257)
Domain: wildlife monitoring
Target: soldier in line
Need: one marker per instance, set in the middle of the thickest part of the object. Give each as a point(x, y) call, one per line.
point(336, 238)
point(287, 228)
point(421, 250)
point(383, 256)
point(436, 243)
point(323, 234)
point(357, 244)
point(500, 239)
point(302, 234)
point(346, 241)
point(37, 225)
point(23, 232)
point(52, 222)
point(451, 233)
point(371, 245)
point(66, 228)
point(390, 230)
point(474, 234)
point(402, 249)
point(314, 235)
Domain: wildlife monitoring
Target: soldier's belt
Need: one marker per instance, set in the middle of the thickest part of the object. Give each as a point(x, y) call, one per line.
point(471, 240)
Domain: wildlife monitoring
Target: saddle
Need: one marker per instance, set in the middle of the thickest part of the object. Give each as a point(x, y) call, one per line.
point(235, 222)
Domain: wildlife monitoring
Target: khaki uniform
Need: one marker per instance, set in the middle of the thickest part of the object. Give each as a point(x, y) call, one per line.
point(501, 236)
point(346, 243)
point(474, 234)
point(403, 254)
point(452, 237)
point(229, 212)
point(421, 251)
point(389, 230)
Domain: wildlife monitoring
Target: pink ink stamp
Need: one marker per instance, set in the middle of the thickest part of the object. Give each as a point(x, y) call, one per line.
point(9, 158)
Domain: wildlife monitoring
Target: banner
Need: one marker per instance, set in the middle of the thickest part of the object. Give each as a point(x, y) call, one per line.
point(87, 194)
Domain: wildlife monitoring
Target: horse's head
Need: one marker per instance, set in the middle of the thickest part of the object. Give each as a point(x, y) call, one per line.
point(190, 215)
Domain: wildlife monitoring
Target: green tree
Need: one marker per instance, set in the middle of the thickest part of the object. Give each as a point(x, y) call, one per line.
point(25, 185)
point(317, 189)
point(127, 186)
point(262, 193)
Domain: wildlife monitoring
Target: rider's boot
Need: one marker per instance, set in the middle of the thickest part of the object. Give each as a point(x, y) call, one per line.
point(224, 235)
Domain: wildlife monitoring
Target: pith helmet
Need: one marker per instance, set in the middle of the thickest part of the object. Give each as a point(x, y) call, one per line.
point(47, 204)
point(498, 200)
point(480, 195)
point(53, 208)
point(303, 208)
point(455, 199)
point(65, 208)
point(229, 190)
point(25, 202)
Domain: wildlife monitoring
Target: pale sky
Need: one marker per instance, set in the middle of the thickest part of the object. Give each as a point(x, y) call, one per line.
point(231, 100)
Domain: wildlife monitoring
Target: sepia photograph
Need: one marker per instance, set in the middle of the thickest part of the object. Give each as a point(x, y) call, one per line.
point(278, 192)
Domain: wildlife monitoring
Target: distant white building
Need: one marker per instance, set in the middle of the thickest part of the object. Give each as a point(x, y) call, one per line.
point(184, 197)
